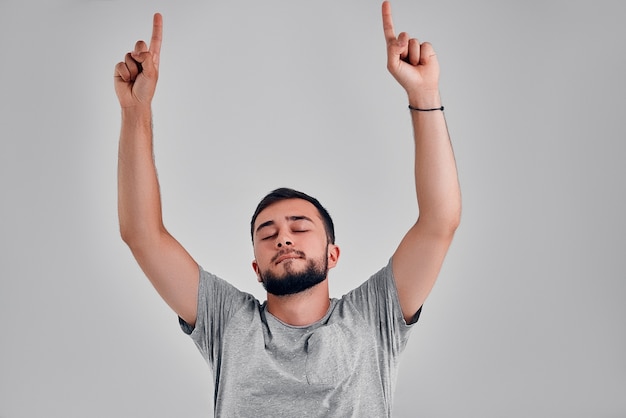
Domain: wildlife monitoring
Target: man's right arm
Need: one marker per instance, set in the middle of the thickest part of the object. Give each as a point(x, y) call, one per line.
point(165, 262)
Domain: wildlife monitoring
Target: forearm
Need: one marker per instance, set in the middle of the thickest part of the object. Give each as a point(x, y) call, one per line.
point(139, 200)
point(436, 179)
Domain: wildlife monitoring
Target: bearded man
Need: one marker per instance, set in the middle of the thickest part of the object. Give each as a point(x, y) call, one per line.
point(300, 353)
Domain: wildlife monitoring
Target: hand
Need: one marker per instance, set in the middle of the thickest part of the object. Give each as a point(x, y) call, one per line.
point(136, 77)
point(412, 64)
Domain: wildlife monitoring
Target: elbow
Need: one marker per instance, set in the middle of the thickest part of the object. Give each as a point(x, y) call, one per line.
point(454, 220)
point(451, 215)
point(448, 226)
point(442, 222)
point(138, 237)
point(127, 232)
point(129, 237)
point(126, 236)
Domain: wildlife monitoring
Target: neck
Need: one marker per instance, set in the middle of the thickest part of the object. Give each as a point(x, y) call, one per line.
point(301, 309)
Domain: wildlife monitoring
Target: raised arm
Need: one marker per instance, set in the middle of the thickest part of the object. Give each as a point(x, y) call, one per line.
point(169, 267)
point(419, 257)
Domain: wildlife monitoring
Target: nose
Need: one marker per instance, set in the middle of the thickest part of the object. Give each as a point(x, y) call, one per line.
point(283, 238)
point(284, 242)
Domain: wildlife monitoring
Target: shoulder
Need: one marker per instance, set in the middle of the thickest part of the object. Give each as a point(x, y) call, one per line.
point(219, 300)
point(381, 283)
point(377, 298)
point(215, 287)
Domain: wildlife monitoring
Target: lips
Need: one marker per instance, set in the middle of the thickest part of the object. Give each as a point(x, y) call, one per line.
point(282, 256)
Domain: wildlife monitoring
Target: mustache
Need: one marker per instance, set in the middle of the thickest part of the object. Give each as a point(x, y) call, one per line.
point(285, 252)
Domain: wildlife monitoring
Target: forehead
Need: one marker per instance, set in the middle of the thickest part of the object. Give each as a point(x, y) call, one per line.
point(284, 209)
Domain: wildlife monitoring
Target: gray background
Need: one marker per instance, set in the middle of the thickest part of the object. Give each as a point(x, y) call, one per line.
point(527, 318)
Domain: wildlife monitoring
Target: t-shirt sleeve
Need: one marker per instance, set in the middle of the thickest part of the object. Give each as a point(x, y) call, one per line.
point(218, 301)
point(377, 301)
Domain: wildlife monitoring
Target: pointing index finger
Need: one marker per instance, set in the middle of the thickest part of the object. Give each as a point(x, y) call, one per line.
point(157, 36)
point(390, 34)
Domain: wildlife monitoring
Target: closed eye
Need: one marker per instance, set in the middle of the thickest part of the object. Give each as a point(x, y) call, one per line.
point(269, 237)
point(300, 224)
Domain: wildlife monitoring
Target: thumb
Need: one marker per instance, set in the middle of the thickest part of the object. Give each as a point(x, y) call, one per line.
point(397, 49)
point(146, 63)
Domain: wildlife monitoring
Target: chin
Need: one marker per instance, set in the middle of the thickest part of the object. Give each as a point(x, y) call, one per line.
point(292, 264)
point(289, 280)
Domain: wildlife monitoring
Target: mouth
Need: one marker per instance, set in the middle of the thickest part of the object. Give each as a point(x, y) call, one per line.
point(279, 258)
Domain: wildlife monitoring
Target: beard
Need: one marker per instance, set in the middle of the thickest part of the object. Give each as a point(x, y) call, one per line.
point(291, 283)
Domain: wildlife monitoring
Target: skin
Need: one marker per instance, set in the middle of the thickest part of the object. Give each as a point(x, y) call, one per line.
point(282, 229)
point(174, 273)
point(419, 257)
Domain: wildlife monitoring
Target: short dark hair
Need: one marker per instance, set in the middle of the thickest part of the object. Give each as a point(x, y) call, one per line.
point(285, 193)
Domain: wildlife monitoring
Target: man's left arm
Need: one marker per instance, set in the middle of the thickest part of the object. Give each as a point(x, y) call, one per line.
point(419, 257)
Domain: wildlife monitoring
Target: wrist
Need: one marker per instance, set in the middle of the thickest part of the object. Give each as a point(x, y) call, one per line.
point(137, 113)
point(428, 99)
point(430, 109)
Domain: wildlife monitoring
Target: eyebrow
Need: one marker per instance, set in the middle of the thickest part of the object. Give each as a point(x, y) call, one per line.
point(289, 218)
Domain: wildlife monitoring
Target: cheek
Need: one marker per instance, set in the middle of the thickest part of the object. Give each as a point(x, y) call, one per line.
point(317, 247)
point(262, 255)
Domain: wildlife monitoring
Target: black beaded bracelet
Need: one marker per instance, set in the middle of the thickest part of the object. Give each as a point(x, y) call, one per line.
point(425, 110)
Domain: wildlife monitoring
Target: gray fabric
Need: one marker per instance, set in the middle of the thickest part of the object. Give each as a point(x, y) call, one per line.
point(341, 366)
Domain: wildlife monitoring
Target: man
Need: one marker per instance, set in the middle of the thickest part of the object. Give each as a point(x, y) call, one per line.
point(300, 353)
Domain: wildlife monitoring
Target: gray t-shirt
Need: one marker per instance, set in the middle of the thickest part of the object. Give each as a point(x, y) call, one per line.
point(344, 365)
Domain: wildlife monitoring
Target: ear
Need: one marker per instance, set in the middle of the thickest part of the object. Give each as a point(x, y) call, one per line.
point(333, 255)
point(255, 267)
